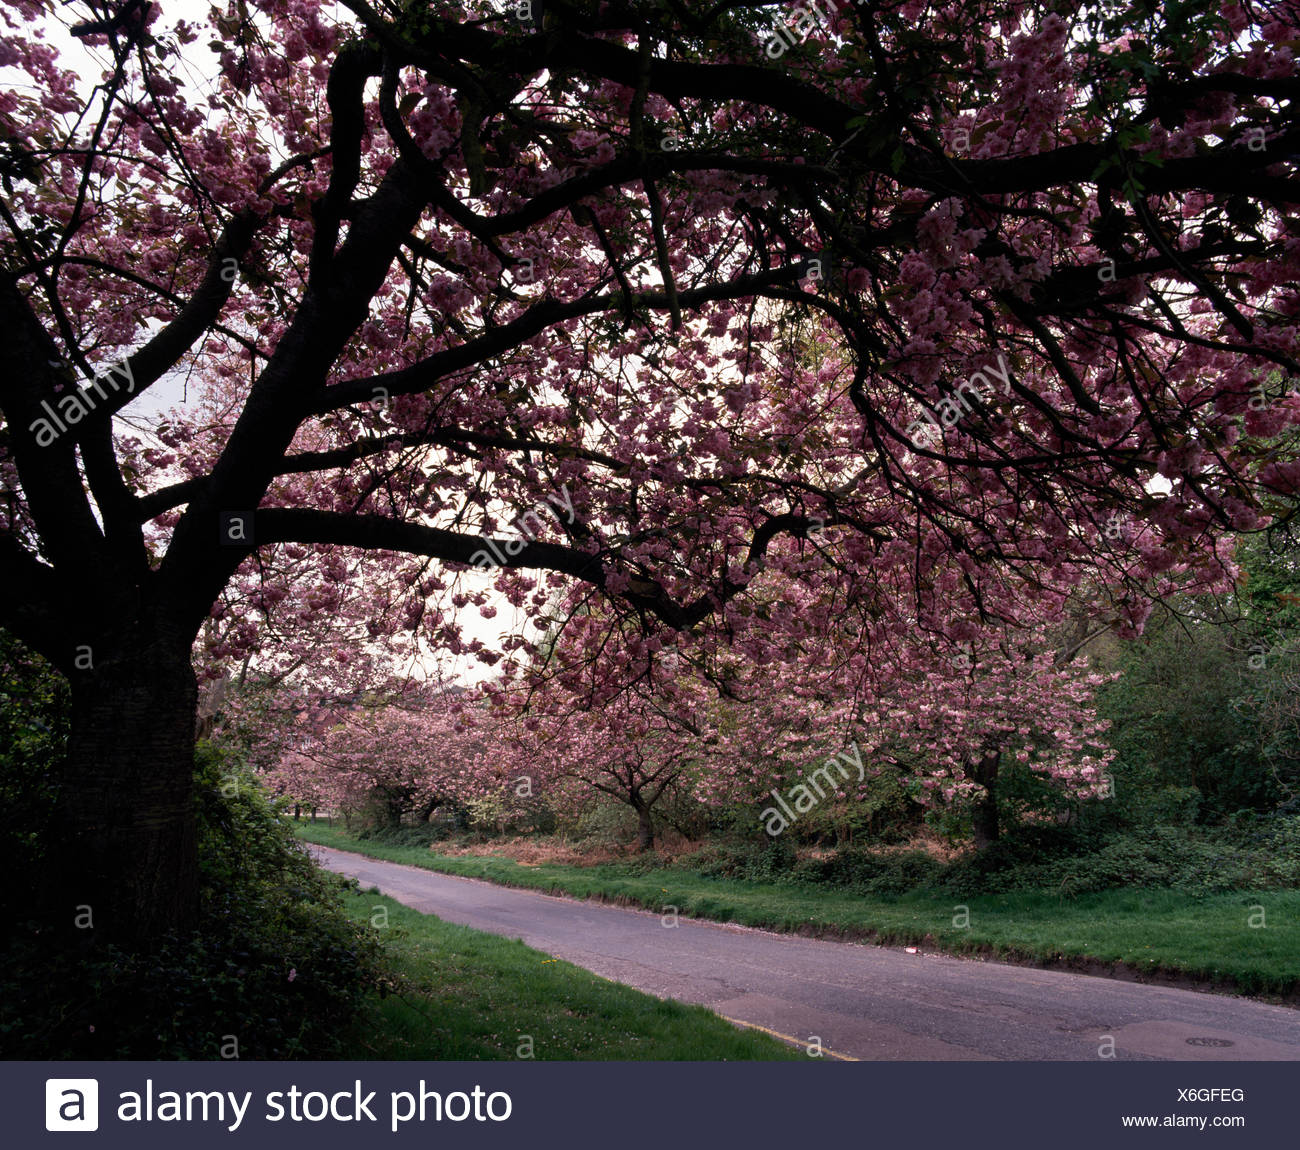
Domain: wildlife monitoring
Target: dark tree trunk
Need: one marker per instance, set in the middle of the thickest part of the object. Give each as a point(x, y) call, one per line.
point(984, 819)
point(984, 822)
point(388, 810)
point(645, 828)
point(126, 868)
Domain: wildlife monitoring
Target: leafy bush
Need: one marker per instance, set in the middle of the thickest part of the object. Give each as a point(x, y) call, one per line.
point(508, 813)
point(769, 860)
point(1206, 706)
point(423, 835)
point(1279, 848)
point(273, 970)
point(873, 873)
point(1194, 860)
point(883, 809)
point(34, 724)
point(1084, 856)
point(714, 860)
point(603, 821)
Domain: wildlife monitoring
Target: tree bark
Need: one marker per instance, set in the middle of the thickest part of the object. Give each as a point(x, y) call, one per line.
point(645, 829)
point(984, 822)
point(388, 809)
point(984, 818)
point(126, 867)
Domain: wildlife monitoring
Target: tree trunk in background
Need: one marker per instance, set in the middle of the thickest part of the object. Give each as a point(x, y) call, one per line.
point(645, 829)
point(984, 819)
point(388, 810)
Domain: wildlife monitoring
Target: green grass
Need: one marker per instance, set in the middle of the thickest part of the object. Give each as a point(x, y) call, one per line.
point(1160, 932)
point(463, 994)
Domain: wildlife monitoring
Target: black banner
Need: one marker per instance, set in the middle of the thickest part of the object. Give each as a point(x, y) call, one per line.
point(913, 1105)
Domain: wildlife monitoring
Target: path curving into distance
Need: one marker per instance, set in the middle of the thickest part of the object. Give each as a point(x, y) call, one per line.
point(863, 1002)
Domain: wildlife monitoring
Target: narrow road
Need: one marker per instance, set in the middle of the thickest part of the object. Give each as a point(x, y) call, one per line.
point(863, 1002)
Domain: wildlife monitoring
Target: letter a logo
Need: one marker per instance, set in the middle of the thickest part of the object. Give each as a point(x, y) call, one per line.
point(72, 1104)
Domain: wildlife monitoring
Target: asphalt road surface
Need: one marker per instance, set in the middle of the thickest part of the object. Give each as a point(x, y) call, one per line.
point(862, 1002)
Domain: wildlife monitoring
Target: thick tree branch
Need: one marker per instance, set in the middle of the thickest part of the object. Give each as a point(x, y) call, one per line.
point(32, 604)
point(30, 368)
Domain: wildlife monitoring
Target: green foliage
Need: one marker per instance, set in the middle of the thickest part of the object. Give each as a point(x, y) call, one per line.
point(1073, 860)
point(1207, 702)
point(507, 813)
point(607, 821)
point(423, 835)
point(853, 868)
point(884, 812)
point(34, 724)
point(1205, 716)
point(1279, 845)
point(768, 860)
point(1174, 719)
point(873, 872)
point(951, 822)
point(1269, 592)
point(1026, 796)
point(1098, 851)
point(773, 861)
point(274, 962)
point(1025, 799)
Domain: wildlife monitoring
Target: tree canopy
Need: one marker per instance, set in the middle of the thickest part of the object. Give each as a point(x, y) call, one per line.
point(616, 300)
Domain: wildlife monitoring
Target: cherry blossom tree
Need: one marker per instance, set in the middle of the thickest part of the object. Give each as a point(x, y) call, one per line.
point(433, 271)
point(946, 718)
point(636, 744)
point(392, 757)
point(810, 702)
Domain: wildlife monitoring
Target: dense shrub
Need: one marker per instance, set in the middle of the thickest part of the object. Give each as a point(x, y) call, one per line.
point(421, 835)
point(1205, 709)
point(714, 860)
point(769, 860)
point(273, 970)
point(1280, 851)
point(508, 813)
point(873, 873)
point(1070, 859)
point(34, 724)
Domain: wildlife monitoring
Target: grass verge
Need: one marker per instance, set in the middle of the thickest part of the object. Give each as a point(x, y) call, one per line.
point(1206, 942)
point(461, 994)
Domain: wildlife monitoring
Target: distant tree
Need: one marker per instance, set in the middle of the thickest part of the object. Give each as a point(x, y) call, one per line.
point(393, 758)
point(1209, 696)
